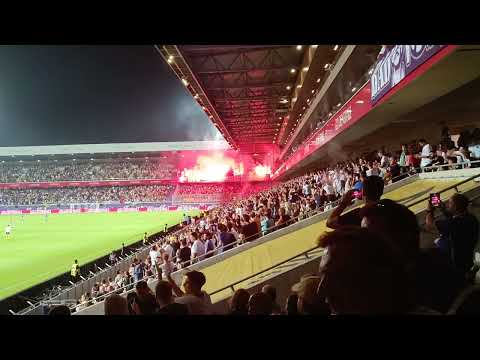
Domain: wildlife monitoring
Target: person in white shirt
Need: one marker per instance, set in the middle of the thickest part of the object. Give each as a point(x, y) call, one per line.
point(426, 155)
point(168, 249)
point(167, 266)
point(154, 254)
point(198, 248)
point(197, 300)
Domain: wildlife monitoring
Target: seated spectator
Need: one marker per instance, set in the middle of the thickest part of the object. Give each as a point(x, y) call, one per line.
point(372, 192)
point(165, 301)
point(272, 292)
point(239, 302)
point(147, 304)
point(260, 304)
point(115, 305)
point(309, 302)
point(197, 300)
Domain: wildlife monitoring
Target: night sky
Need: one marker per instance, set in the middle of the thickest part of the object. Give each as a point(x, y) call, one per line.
point(56, 95)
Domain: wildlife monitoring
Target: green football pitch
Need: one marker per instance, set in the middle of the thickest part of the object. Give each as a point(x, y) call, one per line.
point(38, 250)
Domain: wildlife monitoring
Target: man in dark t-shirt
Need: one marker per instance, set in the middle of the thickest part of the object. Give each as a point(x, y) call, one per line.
point(226, 238)
point(458, 232)
point(372, 191)
point(249, 230)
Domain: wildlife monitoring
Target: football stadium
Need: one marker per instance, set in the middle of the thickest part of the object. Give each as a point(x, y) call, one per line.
point(237, 186)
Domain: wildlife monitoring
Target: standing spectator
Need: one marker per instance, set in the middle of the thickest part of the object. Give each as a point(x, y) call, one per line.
point(458, 232)
point(426, 154)
point(372, 192)
point(198, 248)
point(169, 249)
point(283, 219)
point(138, 270)
point(226, 238)
point(119, 279)
point(183, 254)
point(165, 301)
point(154, 254)
point(197, 300)
point(403, 159)
point(209, 245)
point(147, 304)
point(249, 229)
point(167, 266)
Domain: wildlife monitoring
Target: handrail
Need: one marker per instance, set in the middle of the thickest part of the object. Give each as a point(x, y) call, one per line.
point(202, 257)
point(302, 253)
point(454, 186)
point(264, 270)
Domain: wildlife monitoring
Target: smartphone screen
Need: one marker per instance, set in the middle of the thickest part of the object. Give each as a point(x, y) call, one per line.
point(435, 199)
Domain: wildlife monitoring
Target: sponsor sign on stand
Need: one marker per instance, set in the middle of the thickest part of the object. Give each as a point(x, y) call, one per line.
point(396, 64)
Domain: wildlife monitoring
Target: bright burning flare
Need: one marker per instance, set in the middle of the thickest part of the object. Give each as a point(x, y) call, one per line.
point(212, 168)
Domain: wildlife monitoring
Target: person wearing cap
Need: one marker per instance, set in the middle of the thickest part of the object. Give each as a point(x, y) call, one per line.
point(372, 191)
point(197, 300)
point(309, 303)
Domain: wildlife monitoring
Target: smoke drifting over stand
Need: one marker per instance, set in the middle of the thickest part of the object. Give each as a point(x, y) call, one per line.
point(58, 95)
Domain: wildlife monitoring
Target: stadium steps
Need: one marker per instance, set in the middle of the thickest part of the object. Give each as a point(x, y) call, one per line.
point(244, 261)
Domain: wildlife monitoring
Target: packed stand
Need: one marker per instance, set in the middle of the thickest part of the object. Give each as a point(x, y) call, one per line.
point(86, 170)
point(83, 195)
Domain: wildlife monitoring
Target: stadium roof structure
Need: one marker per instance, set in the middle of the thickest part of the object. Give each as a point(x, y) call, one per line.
point(254, 94)
point(115, 148)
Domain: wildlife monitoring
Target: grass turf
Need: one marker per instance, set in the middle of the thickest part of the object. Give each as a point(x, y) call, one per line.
point(38, 250)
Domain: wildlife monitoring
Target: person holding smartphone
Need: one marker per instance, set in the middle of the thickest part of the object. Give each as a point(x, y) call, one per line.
point(458, 230)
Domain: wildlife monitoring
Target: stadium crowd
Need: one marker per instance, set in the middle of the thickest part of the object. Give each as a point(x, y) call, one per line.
point(86, 170)
point(400, 276)
point(84, 195)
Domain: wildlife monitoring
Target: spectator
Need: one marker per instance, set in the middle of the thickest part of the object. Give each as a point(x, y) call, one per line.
point(168, 266)
point(426, 154)
point(146, 302)
point(458, 232)
point(138, 270)
point(249, 229)
point(361, 276)
point(115, 305)
point(309, 302)
point(197, 300)
point(372, 191)
point(239, 302)
point(227, 239)
point(283, 220)
point(198, 248)
point(272, 292)
point(183, 254)
point(260, 304)
point(291, 307)
point(166, 304)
